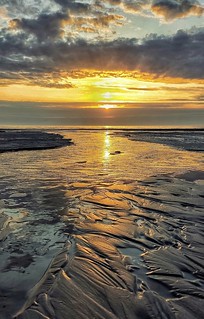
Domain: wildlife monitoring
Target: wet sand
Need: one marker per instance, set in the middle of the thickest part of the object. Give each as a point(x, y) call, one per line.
point(21, 140)
point(129, 248)
point(132, 252)
point(190, 140)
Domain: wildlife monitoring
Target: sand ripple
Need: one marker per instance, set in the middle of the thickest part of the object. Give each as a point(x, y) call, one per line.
point(132, 251)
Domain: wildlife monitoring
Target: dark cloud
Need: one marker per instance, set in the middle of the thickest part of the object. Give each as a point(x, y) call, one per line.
point(38, 49)
point(75, 7)
point(167, 9)
point(44, 27)
point(178, 56)
point(70, 18)
point(171, 9)
point(130, 5)
point(136, 6)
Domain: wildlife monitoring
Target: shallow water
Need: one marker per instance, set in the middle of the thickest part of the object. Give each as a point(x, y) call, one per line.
point(105, 228)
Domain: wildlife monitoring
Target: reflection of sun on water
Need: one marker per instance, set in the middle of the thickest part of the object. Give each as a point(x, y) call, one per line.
point(106, 153)
point(108, 106)
point(107, 140)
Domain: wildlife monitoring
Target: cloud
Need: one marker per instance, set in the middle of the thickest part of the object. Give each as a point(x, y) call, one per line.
point(178, 56)
point(171, 9)
point(96, 24)
point(70, 18)
point(167, 9)
point(75, 7)
point(44, 27)
point(138, 6)
point(143, 89)
point(22, 8)
point(47, 46)
point(48, 80)
point(132, 6)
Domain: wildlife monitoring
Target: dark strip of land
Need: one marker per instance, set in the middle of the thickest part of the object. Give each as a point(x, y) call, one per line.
point(189, 140)
point(27, 140)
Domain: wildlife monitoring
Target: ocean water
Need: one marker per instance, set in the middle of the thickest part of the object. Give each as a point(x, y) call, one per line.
point(109, 227)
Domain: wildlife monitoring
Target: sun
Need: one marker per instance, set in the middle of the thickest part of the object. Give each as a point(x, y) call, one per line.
point(107, 95)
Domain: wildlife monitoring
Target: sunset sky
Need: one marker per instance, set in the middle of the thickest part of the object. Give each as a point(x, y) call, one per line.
point(57, 56)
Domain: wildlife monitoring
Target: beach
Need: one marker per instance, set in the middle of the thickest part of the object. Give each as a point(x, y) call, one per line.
point(109, 226)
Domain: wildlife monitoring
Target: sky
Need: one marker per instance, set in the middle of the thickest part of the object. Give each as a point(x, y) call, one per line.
point(119, 62)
